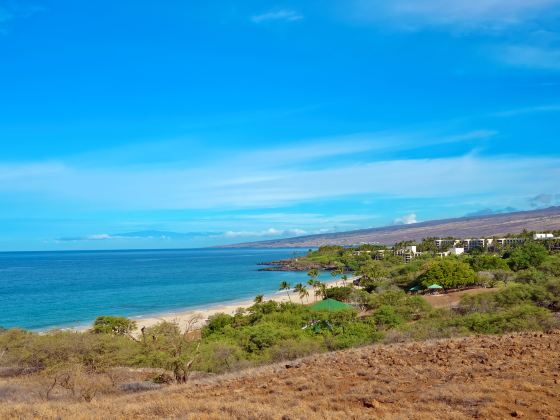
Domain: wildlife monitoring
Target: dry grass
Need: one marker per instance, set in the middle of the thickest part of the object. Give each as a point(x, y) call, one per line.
point(452, 299)
point(487, 377)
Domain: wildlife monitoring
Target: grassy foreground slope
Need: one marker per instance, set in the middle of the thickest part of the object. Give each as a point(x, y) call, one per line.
point(479, 376)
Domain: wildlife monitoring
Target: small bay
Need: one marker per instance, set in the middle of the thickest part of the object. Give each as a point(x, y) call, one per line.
point(43, 290)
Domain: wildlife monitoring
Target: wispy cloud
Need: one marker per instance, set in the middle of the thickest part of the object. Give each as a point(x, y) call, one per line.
point(5, 14)
point(545, 200)
point(14, 10)
point(286, 15)
point(530, 56)
point(480, 14)
point(408, 219)
point(216, 186)
point(527, 110)
point(271, 232)
point(180, 236)
point(147, 234)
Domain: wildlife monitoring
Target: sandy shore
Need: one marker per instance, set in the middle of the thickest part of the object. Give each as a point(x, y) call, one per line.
point(196, 318)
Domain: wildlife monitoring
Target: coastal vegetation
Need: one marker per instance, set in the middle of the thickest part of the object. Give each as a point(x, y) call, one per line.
point(522, 286)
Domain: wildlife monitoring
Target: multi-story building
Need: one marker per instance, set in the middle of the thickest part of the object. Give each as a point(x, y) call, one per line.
point(452, 251)
point(476, 243)
point(408, 253)
point(539, 236)
point(444, 243)
point(509, 241)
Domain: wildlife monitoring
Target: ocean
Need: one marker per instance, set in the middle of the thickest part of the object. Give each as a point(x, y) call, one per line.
point(44, 290)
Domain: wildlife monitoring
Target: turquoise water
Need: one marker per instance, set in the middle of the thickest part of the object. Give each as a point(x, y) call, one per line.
point(41, 290)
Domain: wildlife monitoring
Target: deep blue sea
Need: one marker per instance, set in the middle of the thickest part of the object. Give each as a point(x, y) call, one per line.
point(42, 290)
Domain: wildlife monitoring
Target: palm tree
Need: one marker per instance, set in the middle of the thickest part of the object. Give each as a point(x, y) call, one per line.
point(334, 273)
point(259, 299)
point(316, 285)
point(323, 288)
point(313, 273)
point(304, 293)
point(320, 290)
point(298, 288)
point(286, 286)
point(344, 278)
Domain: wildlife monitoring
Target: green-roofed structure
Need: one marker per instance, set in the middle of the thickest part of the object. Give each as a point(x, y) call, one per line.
point(330, 305)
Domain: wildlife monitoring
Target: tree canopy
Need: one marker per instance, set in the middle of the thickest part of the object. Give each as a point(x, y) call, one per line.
point(448, 273)
point(530, 254)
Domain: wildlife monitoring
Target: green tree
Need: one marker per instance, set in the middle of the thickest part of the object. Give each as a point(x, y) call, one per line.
point(338, 270)
point(487, 262)
point(448, 273)
point(116, 325)
point(301, 290)
point(530, 254)
point(286, 286)
point(372, 273)
point(320, 289)
point(259, 299)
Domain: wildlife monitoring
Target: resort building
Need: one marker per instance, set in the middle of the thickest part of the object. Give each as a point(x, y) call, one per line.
point(408, 253)
point(509, 241)
point(477, 243)
point(444, 243)
point(452, 251)
point(540, 236)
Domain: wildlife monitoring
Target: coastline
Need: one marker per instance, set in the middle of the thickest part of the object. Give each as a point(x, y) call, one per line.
point(196, 318)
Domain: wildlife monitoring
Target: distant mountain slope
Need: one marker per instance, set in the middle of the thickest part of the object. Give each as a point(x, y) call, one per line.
point(476, 226)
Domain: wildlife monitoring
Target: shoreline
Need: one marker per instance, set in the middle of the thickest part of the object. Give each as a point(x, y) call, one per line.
point(196, 318)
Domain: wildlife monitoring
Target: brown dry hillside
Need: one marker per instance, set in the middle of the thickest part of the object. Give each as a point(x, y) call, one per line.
point(487, 377)
point(465, 227)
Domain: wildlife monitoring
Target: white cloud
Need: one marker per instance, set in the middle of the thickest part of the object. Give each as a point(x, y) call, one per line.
point(530, 56)
point(271, 232)
point(255, 180)
point(527, 110)
point(286, 15)
point(99, 237)
point(489, 14)
point(14, 11)
point(545, 200)
point(409, 219)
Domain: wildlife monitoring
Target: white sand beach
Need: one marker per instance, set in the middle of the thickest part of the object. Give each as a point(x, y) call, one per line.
point(196, 318)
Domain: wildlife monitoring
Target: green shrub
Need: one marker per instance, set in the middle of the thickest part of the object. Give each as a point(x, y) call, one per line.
point(264, 335)
point(219, 356)
point(353, 334)
point(447, 272)
point(530, 254)
point(216, 324)
point(291, 348)
point(341, 294)
point(116, 325)
point(387, 317)
point(517, 318)
point(511, 295)
point(487, 262)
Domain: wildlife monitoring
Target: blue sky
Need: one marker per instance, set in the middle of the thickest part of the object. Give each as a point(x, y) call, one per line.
point(142, 124)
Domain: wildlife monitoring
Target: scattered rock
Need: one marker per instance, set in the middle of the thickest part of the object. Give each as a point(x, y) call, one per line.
point(370, 403)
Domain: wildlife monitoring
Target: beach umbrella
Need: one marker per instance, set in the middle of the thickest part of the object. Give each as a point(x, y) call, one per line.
point(414, 289)
point(435, 286)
